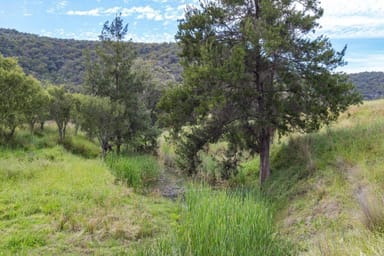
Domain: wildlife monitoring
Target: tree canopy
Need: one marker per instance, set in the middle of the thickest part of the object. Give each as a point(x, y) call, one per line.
point(111, 75)
point(61, 61)
point(254, 68)
point(21, 96)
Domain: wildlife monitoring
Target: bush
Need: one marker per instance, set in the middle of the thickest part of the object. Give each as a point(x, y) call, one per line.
point(136, 171)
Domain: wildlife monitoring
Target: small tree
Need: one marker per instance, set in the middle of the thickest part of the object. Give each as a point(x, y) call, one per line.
point(97, 117)
point(37, 103)
point(18, 95)
point(60, 108)
point(253, 68)
point(110, 75)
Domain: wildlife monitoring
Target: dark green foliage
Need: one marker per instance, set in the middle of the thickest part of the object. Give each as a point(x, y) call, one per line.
point(110, 75)
point(369, 84)
point(253, 69)
point(61, 61)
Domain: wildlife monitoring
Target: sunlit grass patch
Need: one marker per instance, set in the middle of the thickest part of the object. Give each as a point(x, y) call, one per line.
point(55, 203)
point(222, 223)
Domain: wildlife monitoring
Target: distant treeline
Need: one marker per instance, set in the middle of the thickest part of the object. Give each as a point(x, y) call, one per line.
point(61, 61)
point(369, 84)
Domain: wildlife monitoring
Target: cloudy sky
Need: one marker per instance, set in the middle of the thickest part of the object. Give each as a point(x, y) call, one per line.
point(358, 24)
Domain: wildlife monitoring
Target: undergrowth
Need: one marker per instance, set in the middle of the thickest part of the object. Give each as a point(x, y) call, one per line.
point(222, 223)
point(328, 186)
point(140, 171)
point(56, 203)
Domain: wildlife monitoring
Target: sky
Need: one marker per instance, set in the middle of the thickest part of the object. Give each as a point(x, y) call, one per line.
point(355, 23)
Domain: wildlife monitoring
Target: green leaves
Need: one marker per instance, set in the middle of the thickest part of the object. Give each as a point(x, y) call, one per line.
point(60, 107)
point(21, 96)
point(120, 113)
point(258, 61)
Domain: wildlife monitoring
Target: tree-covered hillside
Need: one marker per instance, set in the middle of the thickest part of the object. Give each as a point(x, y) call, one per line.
point(61, 61)
point(369, 84)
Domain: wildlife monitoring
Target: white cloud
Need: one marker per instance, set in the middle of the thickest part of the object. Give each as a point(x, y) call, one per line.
point(352, 18)
point(61, 4)
point(142, 12)
point(58, 6)
point(145, 12)
point(112, 10)
point(92, 12)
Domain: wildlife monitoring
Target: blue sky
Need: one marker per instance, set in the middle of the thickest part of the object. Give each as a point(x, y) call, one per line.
point(359, 24)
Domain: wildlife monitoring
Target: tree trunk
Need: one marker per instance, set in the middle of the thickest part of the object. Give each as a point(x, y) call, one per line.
point(118, 144)
point(61, 135)
point(11, 133)
point(64, 130)
point(42, 126)
point(31, 126)
point(104, 147)
point(265, 140)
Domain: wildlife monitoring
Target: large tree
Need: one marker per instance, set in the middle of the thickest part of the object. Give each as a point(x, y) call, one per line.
point(109, 74)
point(254, 68)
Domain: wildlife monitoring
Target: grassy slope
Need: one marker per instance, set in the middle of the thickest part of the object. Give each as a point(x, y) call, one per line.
point(55, 203)
point(329, 186)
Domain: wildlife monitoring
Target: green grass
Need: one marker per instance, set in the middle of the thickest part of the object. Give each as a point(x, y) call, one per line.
point(223, 223)
point(80, 145)
point(55, 203)
point(329, 186)
point(326, 196)
point(138, 171)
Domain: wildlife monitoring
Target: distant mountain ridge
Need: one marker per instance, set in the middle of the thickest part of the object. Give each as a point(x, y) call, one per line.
point(369, 84)
point(61, 61)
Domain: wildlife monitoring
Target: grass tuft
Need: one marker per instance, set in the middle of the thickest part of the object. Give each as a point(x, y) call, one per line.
point(139, 171)
point(222, 223)
point(372, 206)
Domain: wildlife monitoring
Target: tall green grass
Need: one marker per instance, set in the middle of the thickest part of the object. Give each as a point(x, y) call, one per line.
point(80, 145)
point(223, 223)
point(328, 186)
point(55, 203)
point(138, 172)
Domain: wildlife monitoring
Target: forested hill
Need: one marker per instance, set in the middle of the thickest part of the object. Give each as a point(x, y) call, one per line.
point(369, 84)
point(61, 61)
